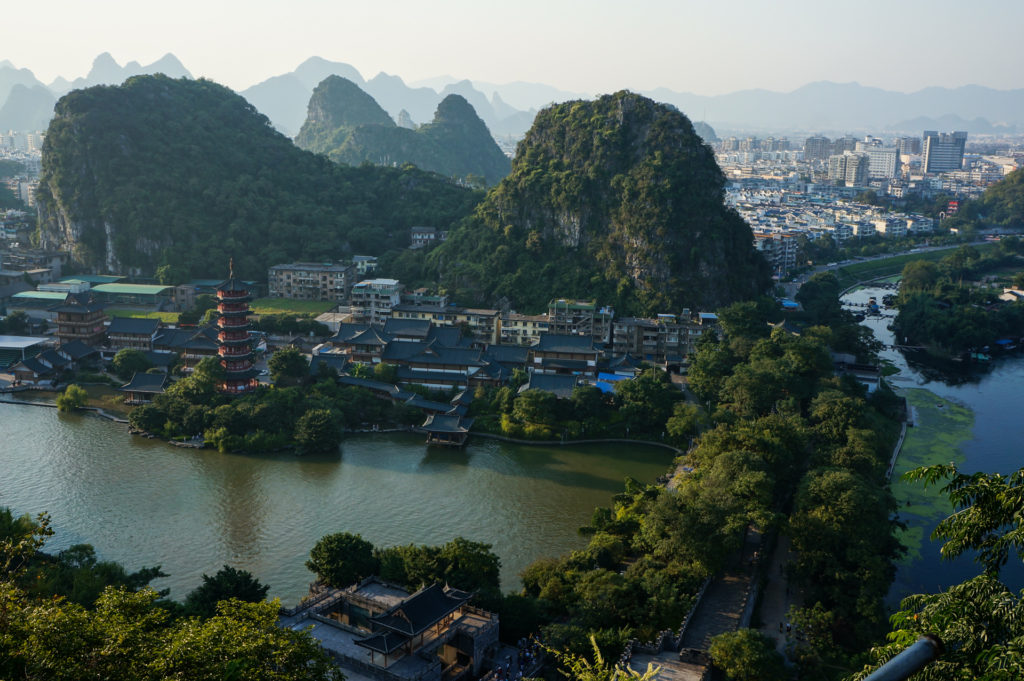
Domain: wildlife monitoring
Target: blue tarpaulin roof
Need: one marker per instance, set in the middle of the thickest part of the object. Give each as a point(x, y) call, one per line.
point(606, 382)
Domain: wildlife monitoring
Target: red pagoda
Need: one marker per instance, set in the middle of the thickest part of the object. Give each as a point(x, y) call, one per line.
point(233, 341)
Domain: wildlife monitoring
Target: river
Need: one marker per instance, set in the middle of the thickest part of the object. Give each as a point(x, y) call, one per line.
point(142, 502)
point(968, 413)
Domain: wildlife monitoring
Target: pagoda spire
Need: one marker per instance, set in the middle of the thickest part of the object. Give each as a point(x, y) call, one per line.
point(233, 338)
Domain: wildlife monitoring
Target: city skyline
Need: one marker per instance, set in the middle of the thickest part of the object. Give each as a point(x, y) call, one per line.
point(687, 47)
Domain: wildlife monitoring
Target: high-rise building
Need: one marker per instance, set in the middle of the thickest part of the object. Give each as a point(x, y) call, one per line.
point(730, 144)
point(909, 146)
point(817, 148)
point(750, 144)
point(850, 168)
point(943, 152)
point(844, 144)
point(882, 162)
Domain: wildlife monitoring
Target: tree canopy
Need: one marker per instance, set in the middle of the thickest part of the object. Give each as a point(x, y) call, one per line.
point(341, 559)
point(747, 655)
point(288, 366)
point(980, 621)
point(109, 625)
point(227, 583)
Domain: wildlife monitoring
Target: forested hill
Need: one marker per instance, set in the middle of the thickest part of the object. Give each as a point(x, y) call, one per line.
point(336, 108)
point(616, 199)
point(1002, 204)
point(186, 172)
point(349, 126)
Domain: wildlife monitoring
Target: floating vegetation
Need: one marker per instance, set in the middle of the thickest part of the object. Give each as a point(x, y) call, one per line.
point(940, 427)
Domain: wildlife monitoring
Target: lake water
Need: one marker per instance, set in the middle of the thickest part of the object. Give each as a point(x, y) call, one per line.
point(994, 392)
point(142, 502)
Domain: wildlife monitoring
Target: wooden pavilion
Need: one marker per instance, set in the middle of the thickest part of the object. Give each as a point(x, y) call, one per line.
point(450, 430)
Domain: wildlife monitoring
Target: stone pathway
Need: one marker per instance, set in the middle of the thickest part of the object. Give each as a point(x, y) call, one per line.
point(720, 610)
point(722, 606)
point(777, 596)
point(672, 668)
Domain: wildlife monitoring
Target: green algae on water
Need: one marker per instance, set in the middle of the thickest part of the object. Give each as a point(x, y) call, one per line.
point(940, 427)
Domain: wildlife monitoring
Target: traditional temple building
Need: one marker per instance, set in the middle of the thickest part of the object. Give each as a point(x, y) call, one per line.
point(377, 630)
point(81, 318)
point(143, 387)
point(234, 345)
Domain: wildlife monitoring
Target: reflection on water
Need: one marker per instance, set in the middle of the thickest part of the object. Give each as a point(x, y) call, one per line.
point(143, 502)
point(993, 391)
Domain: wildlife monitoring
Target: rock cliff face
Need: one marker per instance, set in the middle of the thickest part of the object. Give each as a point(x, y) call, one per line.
point(616, 199)
point(348, 126)
point(163, 171)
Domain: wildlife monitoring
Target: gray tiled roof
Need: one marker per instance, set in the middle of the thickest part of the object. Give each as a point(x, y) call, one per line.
point(145, 383)
point(508, 354)
point(76, 350)
point(553, 342)
point(557, 384)
point(133, 325)
point(418, 328)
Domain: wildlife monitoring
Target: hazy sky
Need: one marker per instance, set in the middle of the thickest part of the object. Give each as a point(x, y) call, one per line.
point(592, 46)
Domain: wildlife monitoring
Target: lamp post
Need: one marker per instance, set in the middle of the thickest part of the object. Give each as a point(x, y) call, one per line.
point(912, 660)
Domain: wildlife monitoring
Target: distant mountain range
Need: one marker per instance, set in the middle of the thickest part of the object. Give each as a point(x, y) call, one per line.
point(106, 71)
point(27, 104)
point(283, 98)
point(509, 108)
point(851, 107)
point(347, 125)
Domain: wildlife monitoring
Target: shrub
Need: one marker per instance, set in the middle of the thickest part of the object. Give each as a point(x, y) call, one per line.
point(74, 397)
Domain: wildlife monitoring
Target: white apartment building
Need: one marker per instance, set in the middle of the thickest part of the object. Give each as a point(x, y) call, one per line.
point(373, 299)
point(311, 281)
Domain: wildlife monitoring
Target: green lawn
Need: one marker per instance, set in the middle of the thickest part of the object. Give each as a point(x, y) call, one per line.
point(287, 305)
point(165, 317)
